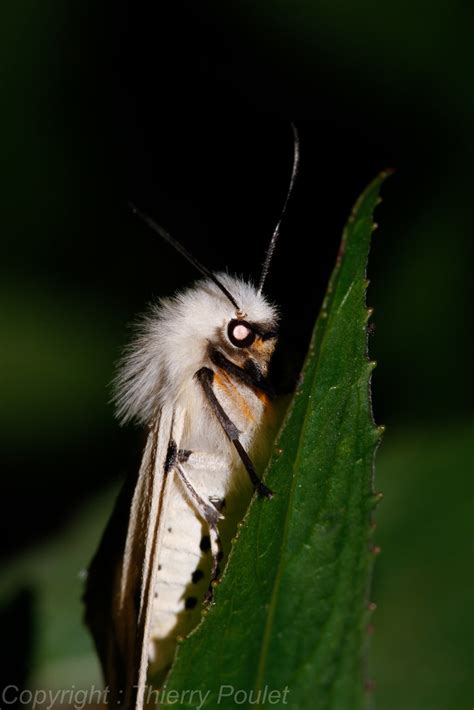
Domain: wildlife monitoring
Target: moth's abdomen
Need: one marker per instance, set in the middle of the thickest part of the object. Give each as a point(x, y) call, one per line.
point(181, 579)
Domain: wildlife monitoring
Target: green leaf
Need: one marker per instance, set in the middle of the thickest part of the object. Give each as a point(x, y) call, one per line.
point(292, 609)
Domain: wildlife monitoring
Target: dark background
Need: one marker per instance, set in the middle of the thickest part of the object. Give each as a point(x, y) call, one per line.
point(185, 109)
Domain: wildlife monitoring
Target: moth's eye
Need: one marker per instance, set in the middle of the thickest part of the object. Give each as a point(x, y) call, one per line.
point(240, 333)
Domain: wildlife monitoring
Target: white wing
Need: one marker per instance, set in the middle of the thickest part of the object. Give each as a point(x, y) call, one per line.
point(122, 576)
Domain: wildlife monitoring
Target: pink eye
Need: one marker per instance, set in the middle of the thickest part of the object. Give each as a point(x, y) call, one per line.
point(240, 333)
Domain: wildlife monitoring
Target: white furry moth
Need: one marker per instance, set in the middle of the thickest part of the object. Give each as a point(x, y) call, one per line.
point(196, 376)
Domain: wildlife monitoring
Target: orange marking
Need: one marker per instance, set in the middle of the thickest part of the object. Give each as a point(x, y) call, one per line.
point(224, 382)
point(265, 347)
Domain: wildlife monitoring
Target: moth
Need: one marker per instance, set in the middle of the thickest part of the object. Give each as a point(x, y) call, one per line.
point(196, 377)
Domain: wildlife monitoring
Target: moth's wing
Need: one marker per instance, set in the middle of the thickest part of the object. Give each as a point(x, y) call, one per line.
point(103, 577)
point(118, 609)
point(149, 512)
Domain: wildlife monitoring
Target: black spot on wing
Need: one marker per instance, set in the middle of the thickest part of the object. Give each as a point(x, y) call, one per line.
point(197, 575)
point(205, 543)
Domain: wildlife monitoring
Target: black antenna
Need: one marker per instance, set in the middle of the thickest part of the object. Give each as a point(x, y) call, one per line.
point(276, 231)
point(184, 252)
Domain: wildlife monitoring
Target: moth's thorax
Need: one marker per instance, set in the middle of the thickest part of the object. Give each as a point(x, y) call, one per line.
point(202, 430)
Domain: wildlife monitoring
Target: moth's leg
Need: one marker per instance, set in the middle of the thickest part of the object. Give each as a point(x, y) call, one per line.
point(205, 377)
point(206, 509)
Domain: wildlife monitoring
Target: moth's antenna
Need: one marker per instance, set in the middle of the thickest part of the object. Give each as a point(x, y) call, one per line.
point(184, 252)
point(276, 231)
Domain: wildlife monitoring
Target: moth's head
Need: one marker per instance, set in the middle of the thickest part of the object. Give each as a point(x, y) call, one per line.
point(175, 339)
point(247, 331)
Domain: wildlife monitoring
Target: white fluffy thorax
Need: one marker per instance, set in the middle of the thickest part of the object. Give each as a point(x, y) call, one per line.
point(172, 341)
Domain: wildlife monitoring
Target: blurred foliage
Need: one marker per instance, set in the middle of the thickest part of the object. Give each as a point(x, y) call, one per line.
point(424, 629)
point(181, 109)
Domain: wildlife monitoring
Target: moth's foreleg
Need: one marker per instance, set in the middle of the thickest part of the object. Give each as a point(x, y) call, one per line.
point(260, 487)
point(205, 377)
